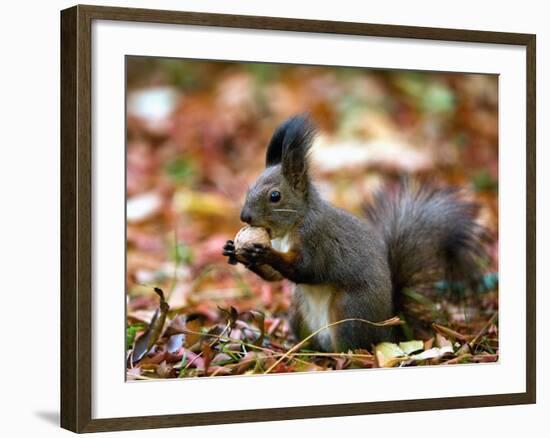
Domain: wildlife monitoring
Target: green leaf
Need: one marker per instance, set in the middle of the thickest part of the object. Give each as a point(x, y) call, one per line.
point(131, 332)
point(180, 170)
point(388, 354)
point(437, 98)
point(181, 253)
point(411, 346)
point(483, 181)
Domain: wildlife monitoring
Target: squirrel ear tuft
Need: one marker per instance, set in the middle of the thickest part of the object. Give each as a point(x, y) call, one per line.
point(274, 154)
point(298, 138)
point(295, 129)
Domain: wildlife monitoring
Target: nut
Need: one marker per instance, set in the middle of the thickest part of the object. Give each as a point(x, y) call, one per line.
point(248, 236)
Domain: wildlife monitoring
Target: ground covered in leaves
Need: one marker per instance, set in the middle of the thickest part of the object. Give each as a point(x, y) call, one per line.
point(196, 139)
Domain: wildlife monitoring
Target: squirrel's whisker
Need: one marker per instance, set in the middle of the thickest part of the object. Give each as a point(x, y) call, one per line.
point(285, 209)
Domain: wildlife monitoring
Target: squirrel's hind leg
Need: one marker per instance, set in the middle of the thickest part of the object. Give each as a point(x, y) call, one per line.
point(356, 334)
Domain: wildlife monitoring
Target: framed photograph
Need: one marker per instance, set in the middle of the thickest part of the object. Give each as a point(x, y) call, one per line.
point(268, 218)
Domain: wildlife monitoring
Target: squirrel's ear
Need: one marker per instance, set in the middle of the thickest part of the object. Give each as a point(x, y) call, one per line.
point(274, 153)
point(298, 137)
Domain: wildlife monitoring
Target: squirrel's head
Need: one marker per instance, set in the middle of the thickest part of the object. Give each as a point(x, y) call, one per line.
point(278, 199)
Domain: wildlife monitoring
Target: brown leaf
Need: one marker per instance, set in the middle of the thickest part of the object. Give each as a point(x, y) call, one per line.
point(147, 340)
point(449, 333)
point(259, 318)
point(232, 315)
point(207, 355)
point(165, 371)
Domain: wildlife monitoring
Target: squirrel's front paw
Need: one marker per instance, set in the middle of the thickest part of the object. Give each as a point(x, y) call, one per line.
point(256, 254)
point(229, 251)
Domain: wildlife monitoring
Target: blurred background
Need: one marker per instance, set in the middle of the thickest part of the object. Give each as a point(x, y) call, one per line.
point(196, 138)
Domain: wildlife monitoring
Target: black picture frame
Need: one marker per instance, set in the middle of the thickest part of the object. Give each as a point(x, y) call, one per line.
point(76, 217)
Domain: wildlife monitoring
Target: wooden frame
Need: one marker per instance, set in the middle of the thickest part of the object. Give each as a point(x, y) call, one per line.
point(76, 243)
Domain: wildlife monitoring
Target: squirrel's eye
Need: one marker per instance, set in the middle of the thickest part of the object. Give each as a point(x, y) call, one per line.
point(275, 196)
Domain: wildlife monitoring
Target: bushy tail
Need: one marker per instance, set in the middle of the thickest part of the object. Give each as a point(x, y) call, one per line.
point(431, 235)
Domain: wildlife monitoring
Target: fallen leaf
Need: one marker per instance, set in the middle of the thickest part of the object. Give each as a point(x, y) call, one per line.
point(142, 207)
point(388, 354)
point(148, 339)
point(411, 346)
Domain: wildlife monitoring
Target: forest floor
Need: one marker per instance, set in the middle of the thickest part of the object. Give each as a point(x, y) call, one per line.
point(197, 133)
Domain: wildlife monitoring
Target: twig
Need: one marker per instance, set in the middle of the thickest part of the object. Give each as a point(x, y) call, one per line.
point(254, 359)
point(447, 332)
point(474, 341)
point(345, 355)
point(176, 263)
point(218, 337)
point(140, 377)
point(224, 338)
point(218, 294)
point(389, 322)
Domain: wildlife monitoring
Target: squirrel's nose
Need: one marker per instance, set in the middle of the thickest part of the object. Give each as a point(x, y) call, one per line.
point(246, 216)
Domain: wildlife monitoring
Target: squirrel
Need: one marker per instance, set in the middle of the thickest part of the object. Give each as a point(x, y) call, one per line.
point(343, 266)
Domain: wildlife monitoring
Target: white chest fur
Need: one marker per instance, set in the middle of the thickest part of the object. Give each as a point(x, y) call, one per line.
point(314, 303)
point(282, 244)
point(313, 300)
